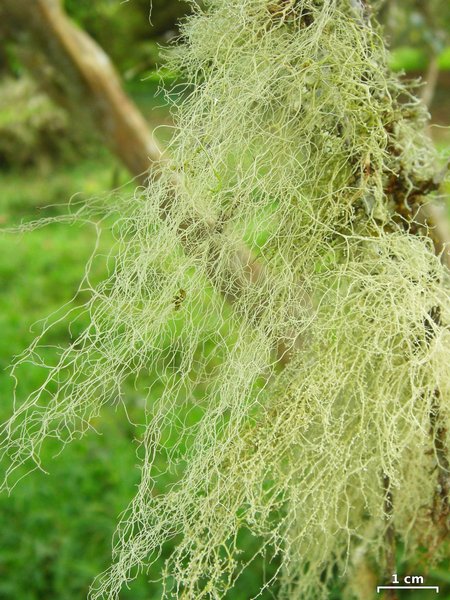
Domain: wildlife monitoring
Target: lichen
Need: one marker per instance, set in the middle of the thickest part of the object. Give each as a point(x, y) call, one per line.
point(315, 361)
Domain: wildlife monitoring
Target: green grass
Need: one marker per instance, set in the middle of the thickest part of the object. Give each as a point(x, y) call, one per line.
point(406, 58)
point(59, 527)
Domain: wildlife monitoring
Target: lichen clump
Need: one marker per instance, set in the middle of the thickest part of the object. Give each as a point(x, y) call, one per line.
point(274, 279)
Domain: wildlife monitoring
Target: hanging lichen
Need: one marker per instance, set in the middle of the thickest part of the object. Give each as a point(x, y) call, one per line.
point(275, 279)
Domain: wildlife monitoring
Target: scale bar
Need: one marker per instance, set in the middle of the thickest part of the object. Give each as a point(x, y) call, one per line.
point(408, 587)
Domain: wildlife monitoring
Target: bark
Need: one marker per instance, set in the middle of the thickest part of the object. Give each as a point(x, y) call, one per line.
point(78, 74)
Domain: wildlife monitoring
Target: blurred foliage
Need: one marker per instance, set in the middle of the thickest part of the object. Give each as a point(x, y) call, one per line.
point(33, 130)
point(419, 24)
point(416, 31)
point(130, 31)
point(409, 59)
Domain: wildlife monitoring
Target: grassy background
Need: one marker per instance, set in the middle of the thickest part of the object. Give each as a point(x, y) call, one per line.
point(57, 528)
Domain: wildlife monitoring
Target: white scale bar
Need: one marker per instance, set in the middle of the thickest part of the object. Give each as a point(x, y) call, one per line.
point(408, 587)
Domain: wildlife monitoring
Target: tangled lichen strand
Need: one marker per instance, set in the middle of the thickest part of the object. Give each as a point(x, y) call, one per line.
point(294, 141)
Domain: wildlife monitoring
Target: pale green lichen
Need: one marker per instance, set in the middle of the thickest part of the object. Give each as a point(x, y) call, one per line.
point(292, 139)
